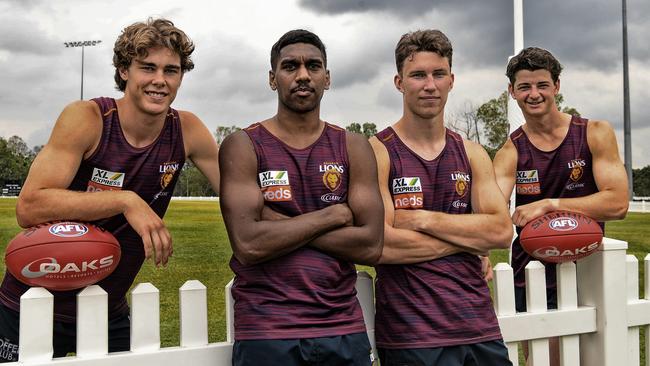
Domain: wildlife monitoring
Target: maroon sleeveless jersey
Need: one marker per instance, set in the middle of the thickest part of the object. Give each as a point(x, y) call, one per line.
point(441, 302)
point(565, 172)
point(151, 172)
point(306, 293)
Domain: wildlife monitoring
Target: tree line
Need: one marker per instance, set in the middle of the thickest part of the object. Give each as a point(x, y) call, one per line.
point(486, 124)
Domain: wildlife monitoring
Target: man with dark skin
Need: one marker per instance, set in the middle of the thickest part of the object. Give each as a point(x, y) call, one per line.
point(301, 205)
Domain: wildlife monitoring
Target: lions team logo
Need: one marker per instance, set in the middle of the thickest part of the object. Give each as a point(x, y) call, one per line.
point(462, 182)
point(331, 175)
point(167, 171)
point(577, 169)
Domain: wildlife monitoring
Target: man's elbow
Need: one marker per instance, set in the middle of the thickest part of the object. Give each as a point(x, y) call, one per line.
point(246, 254)
point(374, 250)
point(25, 213)
point(620, 211)
point(502, 236)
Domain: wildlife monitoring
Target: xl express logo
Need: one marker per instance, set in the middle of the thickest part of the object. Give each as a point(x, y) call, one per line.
point(105, 180)
point(407, 192)
point(528, 182)
point(275, 185)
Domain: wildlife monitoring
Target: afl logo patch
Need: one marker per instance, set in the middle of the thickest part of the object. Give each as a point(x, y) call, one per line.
point(563, 224)
point(68, 229)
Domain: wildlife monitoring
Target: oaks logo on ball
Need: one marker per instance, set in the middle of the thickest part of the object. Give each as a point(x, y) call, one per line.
point(68, 229)
point(50, 266)
point(563, 223)
point(554, 252)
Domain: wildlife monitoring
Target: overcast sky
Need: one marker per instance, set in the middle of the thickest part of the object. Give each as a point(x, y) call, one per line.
point(229, 85)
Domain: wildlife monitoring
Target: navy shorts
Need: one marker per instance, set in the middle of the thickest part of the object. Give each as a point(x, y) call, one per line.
point(520, 298)
point(345, 350)
point(491, 353)
point(64, 337)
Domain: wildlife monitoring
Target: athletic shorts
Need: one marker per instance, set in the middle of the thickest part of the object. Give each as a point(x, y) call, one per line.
point(492, 353)
point(346, 350)
point(520, 298)
point(64, 336)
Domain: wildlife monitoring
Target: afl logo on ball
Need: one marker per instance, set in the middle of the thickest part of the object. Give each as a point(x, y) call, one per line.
point(68, 229)
point(563, 224)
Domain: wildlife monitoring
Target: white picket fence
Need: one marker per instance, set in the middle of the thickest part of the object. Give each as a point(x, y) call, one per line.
point(598, 318)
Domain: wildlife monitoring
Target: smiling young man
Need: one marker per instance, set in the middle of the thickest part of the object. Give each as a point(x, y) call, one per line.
point(442, 208)
point(301, 205)
point(565, 163)
point(115, 162)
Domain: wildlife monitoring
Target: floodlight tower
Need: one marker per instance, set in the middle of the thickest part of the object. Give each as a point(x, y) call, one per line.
point(82, 44)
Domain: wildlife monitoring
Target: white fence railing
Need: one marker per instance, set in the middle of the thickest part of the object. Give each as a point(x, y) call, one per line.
point(598, 318)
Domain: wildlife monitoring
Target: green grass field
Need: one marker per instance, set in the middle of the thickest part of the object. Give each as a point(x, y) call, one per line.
point(202, 252)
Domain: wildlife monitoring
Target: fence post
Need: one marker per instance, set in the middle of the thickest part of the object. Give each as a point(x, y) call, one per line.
point(92, 322)
point(145, 318)
point(194, 314)
point(632, 267)
point(536, 303)
point(601, 279)
point(504, 301)
point(36, 322)
point(366, 297)
point(230, 313)
point(646, 279)
point(567, 299)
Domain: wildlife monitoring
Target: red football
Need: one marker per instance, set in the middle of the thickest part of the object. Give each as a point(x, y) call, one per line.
point(561, 236)
point(62, 255)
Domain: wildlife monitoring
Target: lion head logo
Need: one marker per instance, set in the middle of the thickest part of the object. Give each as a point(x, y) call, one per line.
point(461, 186)
point(166, 178)
point(332, 179)
point(576, 173)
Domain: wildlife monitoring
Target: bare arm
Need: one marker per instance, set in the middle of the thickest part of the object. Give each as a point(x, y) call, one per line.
point(253, 239)
point(611, 200)
point(361, 242)
point(505, 168)
point(45, 196)
point(201, 147)
point(403, 246)
point(488, 227)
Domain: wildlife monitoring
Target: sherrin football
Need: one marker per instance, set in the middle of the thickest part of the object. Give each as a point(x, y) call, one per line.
point(62, 255)
point(561, 236)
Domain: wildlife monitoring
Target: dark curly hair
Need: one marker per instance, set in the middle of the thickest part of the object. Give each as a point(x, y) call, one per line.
point(136, 39)
point(534, 58)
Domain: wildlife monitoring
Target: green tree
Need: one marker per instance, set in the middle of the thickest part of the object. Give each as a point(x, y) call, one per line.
point(493, 116)
point(15, 159)
point(222, 132)
point(192, 183)
point(367, 129)
point(641, 179)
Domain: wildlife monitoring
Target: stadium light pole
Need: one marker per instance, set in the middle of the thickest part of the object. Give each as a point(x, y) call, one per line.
point(627, 128)
point(82, 44)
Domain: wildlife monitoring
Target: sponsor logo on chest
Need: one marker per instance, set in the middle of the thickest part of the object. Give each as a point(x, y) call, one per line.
point(407, 192)
point(461, 180)
point(105, 180)
point(577, 167)
point(167, 171)
point(275, 185)
point(332, 172)
point(528, 182)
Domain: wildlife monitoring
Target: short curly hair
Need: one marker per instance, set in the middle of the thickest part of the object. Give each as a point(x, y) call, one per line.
point(534, 58)
point(429, 40)
point(138, 38)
